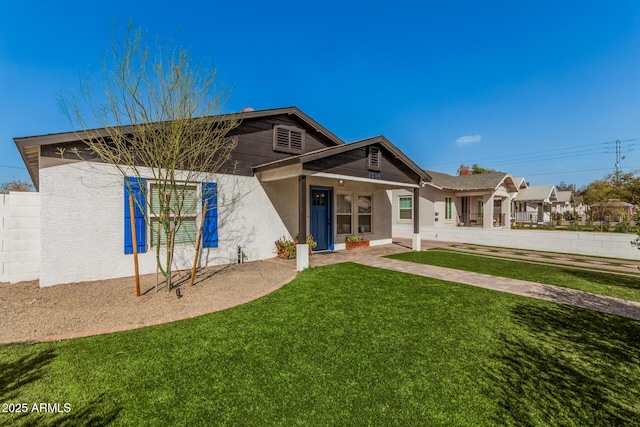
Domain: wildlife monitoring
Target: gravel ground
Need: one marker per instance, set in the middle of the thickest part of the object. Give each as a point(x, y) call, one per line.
point(28, 312)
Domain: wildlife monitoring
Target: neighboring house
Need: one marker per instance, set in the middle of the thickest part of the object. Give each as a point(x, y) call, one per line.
point(563, 203)
point(533, 204)
point(612, 210)
point(481, 200)
point(569, 202)
point(293, 178)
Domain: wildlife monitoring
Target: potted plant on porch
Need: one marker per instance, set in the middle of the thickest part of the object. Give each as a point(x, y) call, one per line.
point(356, 242)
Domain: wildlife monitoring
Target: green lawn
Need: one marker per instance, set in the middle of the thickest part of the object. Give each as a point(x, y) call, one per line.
point(615, 285)
point(345, 345)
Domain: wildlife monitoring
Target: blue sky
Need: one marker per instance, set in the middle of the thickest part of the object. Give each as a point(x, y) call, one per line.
point(533, 88)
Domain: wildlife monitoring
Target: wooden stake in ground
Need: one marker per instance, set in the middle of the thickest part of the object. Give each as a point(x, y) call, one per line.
point(135, 243)
point(195, 260)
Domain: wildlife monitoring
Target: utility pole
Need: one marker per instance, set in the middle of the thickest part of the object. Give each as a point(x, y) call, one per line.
point(619, 158)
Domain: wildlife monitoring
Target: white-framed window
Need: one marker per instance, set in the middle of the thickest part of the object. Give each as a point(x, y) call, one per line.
point(354, 213)
point(448, 208)
point(405, 207)
point(343, 213)
point(182, 198)
point(365, 214)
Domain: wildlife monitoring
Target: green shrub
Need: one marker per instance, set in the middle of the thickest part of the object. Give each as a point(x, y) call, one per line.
point(624, 227)
point(574, 226)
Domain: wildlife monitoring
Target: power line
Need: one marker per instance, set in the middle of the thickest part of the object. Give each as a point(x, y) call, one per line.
point(12, 167)
point(576, 151)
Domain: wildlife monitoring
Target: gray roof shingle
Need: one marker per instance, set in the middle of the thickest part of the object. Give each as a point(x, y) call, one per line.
point(482, 181)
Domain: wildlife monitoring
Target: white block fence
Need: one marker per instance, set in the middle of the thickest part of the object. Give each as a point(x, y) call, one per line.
point(19, 236)
point(610, 245)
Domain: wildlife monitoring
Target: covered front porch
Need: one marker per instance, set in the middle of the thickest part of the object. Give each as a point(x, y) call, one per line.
point(483, 211)
point(339, 192)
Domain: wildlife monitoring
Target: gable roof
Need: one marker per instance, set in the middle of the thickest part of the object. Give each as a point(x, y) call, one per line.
point(521, 182)
point(539, 193)
point(564, 196)
point(482, 181)
point(331, 151)
point(28, 146)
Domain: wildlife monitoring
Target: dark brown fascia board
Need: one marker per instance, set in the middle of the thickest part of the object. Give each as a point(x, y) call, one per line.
point(33, 172)
point(72, 136)
point(277, 164)
point(298, 113)
point(364, 143)
point(330, 151)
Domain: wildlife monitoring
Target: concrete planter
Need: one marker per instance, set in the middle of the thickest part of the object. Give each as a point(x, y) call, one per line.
point(361, 244)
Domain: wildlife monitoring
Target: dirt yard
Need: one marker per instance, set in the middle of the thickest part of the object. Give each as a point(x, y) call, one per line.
point(28, 312)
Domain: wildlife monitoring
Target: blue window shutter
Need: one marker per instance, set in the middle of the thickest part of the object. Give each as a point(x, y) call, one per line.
point(210, 228)
point(136, 187)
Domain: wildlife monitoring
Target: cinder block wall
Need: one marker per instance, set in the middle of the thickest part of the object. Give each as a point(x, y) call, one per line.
point(19, 236)
point(612, 245)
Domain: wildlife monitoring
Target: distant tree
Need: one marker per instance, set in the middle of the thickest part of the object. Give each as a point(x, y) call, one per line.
point(16, 185)
point(620, 186)
point(476, 169)
point(563, 186)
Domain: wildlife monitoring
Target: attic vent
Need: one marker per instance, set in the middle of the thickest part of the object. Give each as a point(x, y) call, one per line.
point(288, 139)
point(374, 158)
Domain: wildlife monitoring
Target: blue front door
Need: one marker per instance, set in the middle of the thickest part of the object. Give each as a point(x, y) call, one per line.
point(321, 223)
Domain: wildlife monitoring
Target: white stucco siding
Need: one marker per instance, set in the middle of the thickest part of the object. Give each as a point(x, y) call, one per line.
point(82, 223)
point(427, 207)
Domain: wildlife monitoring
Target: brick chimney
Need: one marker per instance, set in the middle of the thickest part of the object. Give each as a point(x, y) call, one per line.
point(465, 170)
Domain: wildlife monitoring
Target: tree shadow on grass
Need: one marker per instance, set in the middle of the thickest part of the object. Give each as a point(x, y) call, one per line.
point(25, 370)
point(612, 279)
point(570, 367)
point(15, 374)
point(96, 413)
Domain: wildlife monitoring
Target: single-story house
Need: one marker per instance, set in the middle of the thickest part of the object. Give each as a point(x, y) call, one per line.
point(293, 177)
point(480, 200)
point(569, 202)
point(563, 203)
point(612, 210)
point(533, 204)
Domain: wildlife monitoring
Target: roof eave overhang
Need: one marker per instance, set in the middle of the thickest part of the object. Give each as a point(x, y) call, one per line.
point(322, 154)
point(393, 184)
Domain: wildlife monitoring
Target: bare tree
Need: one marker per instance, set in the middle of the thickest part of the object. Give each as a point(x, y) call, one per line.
point(15, 185)
point(160, 116)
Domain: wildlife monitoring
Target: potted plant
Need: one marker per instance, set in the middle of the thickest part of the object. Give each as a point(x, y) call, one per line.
point(356, 242)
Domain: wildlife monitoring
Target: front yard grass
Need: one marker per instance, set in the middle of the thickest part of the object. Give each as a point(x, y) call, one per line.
point(344, 345)
point(599, 282)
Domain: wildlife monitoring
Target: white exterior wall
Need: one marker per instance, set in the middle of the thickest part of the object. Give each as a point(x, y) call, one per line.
point(82, 222)
point(19, 236)
point(614, 245)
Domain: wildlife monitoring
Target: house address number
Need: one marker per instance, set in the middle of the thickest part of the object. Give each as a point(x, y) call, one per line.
point(374, 175)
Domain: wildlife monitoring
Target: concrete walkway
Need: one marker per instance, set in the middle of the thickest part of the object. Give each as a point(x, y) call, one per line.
point(373, 257)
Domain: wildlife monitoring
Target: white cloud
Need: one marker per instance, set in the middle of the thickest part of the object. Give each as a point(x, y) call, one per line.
point(468, 139)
